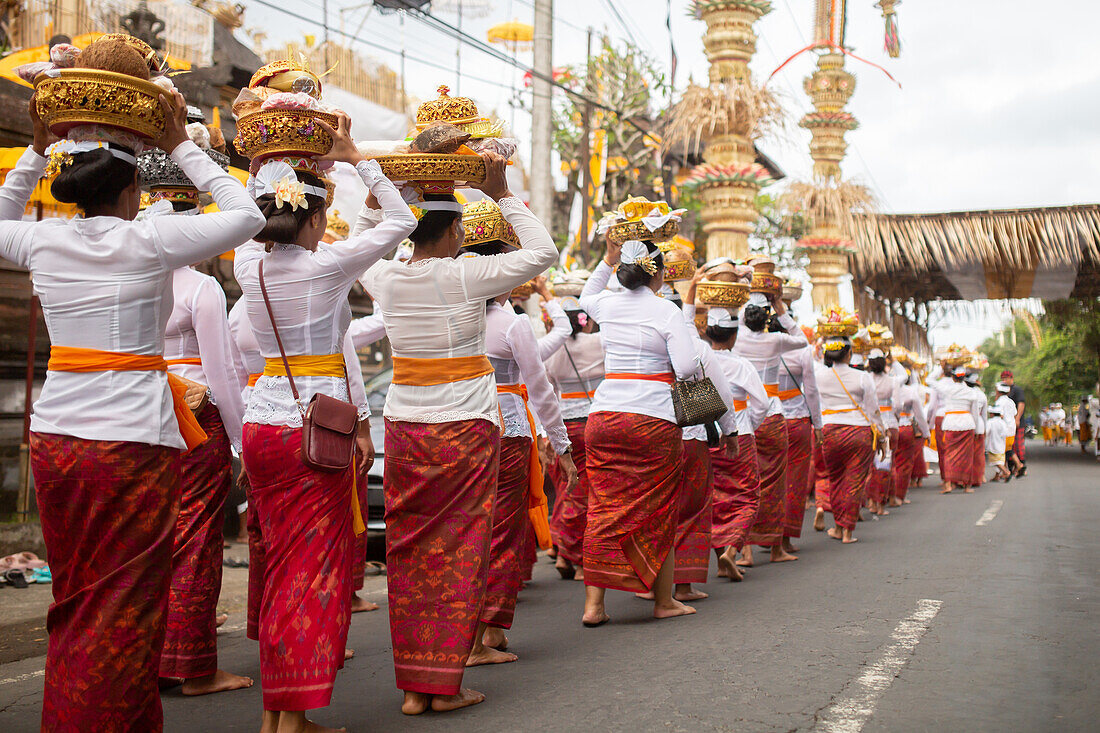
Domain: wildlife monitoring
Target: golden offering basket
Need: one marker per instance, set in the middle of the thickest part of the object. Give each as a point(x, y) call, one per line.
point(836, 330)
point(432, 167)
point(625, 231)
point(956, 360)
point(723, 295)
point(484, 223)
point(791, 293)
point(523, 291)
point(701, 318)
point(765, 282)
point(679, 264)
point(283, 132)
point(92, 97)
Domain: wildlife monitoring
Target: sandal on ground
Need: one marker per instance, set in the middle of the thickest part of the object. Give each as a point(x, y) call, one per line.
point(373, 567)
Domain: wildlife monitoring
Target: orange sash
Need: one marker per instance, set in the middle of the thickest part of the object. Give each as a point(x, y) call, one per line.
point(193, 361)
point(430, 372)
point(739, 405)
point(253, 378)
point(577, 395)
point(837, 412)
point(884, 408)
point(537, 504)
point(957, 412)
point(665, 377)
point(78, 359)
point(787, 394)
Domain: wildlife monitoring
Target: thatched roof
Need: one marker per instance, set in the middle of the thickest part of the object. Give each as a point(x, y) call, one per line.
point(923, 256)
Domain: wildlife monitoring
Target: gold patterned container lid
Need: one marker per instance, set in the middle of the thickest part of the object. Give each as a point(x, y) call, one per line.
point(337, 225)
point(484, 223)
point(461, 112)
point(292, 73)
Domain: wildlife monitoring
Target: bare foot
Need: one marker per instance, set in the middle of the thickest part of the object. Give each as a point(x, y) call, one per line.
point(781, 555)
point(220, 681)
point(787, 546)
point(895, 501)
point(882, 512)
point(849, 540)
point(968, 490)
point(746, 557)
point(819, 520)
point(834, 533)
point(552, 553)
point(270, 721)
point(359, 605)
point(689, 594)
point(727, 568)
point(495, 638)
point(464, 699)
point(580, 573)
point(565, 569)
point(672, 610)
point(907, 501)
point(647, 596)
point(296, 722)
point(486, 655)
point(415, 703)
point(220, 619)
point(348, 654)
point(594, 616)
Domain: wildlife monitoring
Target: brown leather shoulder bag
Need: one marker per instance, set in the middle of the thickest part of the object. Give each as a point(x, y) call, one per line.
point(329, 425)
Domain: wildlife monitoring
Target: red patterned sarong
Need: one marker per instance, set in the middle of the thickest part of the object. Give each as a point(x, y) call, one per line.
point(905, 456)
point(256, 564)
point(958, 456)
point(440, 480)
point(634, 473)
point(977, 460)
point(821, 481)
point(736, 494)
point(571, 509)
point(694, 514)
point(847, 451)
point(878, 484)
point(920, 463)
point(359, 549)
point(305, 521)
point(511, 523)
point(940, 439)
point(771, 456)
point(800, 438)
point(191, 640)
point(108, 512)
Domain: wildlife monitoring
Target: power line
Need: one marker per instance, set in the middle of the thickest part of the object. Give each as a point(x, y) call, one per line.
point(622, 23)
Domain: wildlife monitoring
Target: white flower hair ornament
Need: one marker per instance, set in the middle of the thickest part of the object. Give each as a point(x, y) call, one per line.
point(278, 178)
point(636, 253)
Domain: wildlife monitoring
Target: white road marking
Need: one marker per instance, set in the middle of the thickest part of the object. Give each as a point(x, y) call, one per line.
point(23, 677)
point(990, 513)
point(857, 702)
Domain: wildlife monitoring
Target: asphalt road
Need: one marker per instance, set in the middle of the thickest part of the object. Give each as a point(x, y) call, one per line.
point(932, 622)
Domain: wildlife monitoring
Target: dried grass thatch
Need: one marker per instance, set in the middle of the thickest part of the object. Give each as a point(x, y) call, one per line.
point(737, 107)
point(827, 199)
point(1011, 239)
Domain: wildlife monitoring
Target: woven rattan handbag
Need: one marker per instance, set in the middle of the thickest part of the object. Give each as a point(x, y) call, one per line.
point(697, 402)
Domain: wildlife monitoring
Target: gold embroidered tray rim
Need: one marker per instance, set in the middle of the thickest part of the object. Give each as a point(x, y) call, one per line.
point(419, 167)
point(722, 294)
point(291, 141)
point(625, 231)
point(109, 79)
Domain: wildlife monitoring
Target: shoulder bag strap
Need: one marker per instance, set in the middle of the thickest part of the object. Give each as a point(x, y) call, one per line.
point(582, 380)
point(278, 340)
point(874, 428)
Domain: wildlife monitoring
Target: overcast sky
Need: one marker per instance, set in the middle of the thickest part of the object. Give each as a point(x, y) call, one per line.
point(999, 103)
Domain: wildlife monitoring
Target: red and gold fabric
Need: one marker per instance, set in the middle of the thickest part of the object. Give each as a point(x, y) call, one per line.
point(846, 451)
point(693, 524)
point(633, 466)
point(306, 524)
point(821, 480)
point(440, 481)
point(108, 513)
point(920, 463)
point(509, 545)
point(905, 456)
point(538, 506)
point(938, 439)
point(771, 457)
point(800, 439)
point(571, 508)
point(977, 461)
point(736, 493)
point(190, 642)
point(957, 458)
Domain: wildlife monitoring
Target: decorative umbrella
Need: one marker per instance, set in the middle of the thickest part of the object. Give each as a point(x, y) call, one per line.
point(512, 34)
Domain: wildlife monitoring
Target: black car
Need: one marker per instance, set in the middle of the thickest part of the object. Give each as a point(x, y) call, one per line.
point(377, 387)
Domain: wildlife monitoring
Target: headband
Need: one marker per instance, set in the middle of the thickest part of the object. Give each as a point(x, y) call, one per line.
point(721, 318)
point(759, 299)
point(277, 177)
point(636, 253)
point(836, 344)
point(60, 153)
point(876, 354)
point(570, 303)
point(420, 208)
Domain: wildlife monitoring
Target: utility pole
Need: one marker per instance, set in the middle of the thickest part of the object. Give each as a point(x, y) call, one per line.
point(585, 156)
point(542, 133)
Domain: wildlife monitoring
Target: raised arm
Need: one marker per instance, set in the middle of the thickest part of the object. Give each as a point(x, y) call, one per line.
point(211, 324)
point(559, 334)
point(870, 401)
point(758, 399)
point(366, 330)
point(809, 387)
point(19, 184)
point(728, 422)
point(488, 277)
point(793, 338)
point(544, 403)
point(920, 422)
point(594, 288)
point(358, 252)
point(680, 345)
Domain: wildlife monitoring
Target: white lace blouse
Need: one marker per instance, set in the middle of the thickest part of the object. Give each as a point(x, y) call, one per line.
point(435, 309)
point(106, 284)
point(586, 352)
point(642, 334)
point(513, 351)
point(199, 329)
point(309, 296)
point(835, 384)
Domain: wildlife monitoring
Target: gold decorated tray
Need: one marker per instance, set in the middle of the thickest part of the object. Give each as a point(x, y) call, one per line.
point(627, 230)
point(792, 292)
point(720, 294)
point(957, 360)
point(764, 282)
point(678, 270)
point(92, 97)
point(523, 291)
point(432, 167)
point(833, 330)
point(283, 132)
